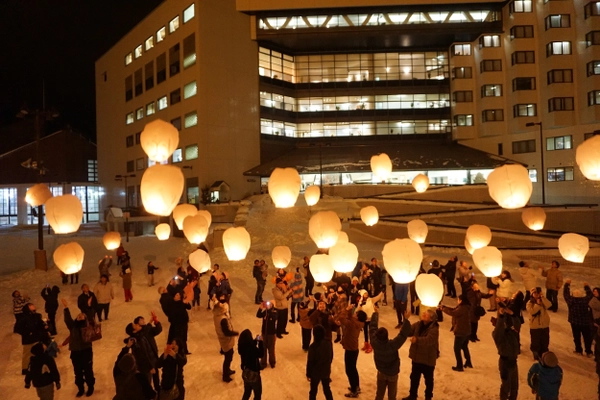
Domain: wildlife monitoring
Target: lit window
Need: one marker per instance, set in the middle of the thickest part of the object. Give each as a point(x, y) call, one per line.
point(191, 119)
point(129, 118)
point(189, 90)
point(189, 51)
point(592, 38)
point(521, 6)
point(558, 48)
point(593, 68)
point(524, 110)
point(178, 155)
point(463, 120)
point(149, 43)
point(188, 13)
point(161, 34)
point(559, 143)
point(128, 58)
point(489, 41)
point(594, 98)
point(162, 103)
point(560, 76)
point(139, 164)
point(92, 170)
point(138, 51)
point(560, 104)
point(461, 50)
point(174, 24)
point(560, 174)
point(592, 9)
point(491, 90)
point(558, 21)
point(139, 113)
point(150, 108)
point(533, 175)
point(191, 152)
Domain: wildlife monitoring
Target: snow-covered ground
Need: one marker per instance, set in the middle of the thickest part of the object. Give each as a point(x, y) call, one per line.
point(268, 227)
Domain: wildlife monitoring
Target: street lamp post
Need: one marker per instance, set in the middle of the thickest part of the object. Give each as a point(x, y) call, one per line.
point(126, 213)
point(542, 175)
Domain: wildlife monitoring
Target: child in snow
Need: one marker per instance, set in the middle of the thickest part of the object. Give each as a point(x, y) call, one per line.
point(545, 377)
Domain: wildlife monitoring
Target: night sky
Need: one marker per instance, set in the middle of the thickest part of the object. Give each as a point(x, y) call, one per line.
point(58, 41)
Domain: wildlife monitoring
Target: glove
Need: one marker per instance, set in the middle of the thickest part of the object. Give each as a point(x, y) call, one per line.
point(27, 385)
point(57, 385)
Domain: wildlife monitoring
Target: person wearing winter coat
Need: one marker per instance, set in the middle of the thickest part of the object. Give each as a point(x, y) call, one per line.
point(506, 338)
point(125, 274)
point(225, 334)
point(465, 275)
point(268, 331)
point(400, 300)
point(462, 329)
point(50, 296)
point(594, 305)
point(539, 322)
point(554, 282)
point(260, 282)
point(580, 317)
point(450, 274)
point(171, 362)
point(318, 364)
point(297, 294)
point(42, 372)
point(353, 326)
point(104, 264)
point(87, 302)
point(597, 355)
point(32, 329)
point(529, 278)
point(367, 304)
point(424, 350)
point(545, 377)
point(19, 302)
point(281, 293)
point(474, 295)
point(385, 355)
point(310, 280)
point(130, 384)
point(492, 289)
point(504, 282)
point(151, 268)
point(179, 319)
point(104, 295)
point(250, 351)
point(305, 324)
point(82, 356)
point(214, 279)
point(146, 358)
point(322, 316)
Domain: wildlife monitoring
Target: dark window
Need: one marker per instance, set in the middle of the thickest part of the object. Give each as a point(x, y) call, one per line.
point(138, 79)
point(594, 98)
point(174, 63)
point(464, 96)
point(592, 9)
point(558, 21)
point(524, 110)
point(462, 73)
point(161, 68)
point(130, 166)
point(175, 96)
point(492, 115)
point(491, 65)
point(560, 104)
point(521, 31)
point(137, 137)
point(523, 84)
point(500, 149)
point(586, 136)
point(592, 38)
point(189, 51)
point(176, 123)
point(560, 174)
point(593, 68)
point(560, 76)
point(523, 146)
point(129, 141)
point(149, 74)
point(129, 88)
point(523, 57)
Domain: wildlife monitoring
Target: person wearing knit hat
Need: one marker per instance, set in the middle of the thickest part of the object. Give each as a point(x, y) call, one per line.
point(579, 316)
point(539, 322)
point(545, 377)
point(367, 304)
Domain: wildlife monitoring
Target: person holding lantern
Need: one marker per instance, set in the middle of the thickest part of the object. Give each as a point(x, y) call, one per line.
point(580, 317)
point(353, 324)
point(539, 322)
point(554, 282)
point(367, 304)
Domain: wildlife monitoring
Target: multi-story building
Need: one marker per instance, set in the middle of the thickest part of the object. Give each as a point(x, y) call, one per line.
point(289, 79)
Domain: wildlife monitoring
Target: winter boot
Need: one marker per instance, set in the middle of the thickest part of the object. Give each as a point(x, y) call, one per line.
point(364, 348)
point(90, 391)
point(351, 394)
point(369, 348)
point(80, 392)
point(338, 338)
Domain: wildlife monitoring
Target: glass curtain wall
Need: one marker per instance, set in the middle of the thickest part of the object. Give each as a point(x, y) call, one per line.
point(8, 206)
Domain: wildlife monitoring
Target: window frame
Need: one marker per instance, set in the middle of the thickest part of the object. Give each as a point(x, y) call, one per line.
point(522, 57)
point(190, 146)
point(465, 71)
point(495, 64)
point(161, 34)
point(174, 24)
point(491, 88)
point(521, 32)
point(527, 106)
point(461, 49)
point(468, 120)
point(185, 10)
point(592, 38)
point(524, 146)
point(550, 22)
point(128, 58)
point(550, 48)
point(590, 10)
point(555, 76)
point(531, 79)
point(552, 143)
point(159, 107)
point(561, 104)
point(493, 41)
point(521, 6)
point(462, 96)
point(593, 98)
point(492, 115)
point(149, 43)
point(553, 174)
point(129, 118)
point(593, 68)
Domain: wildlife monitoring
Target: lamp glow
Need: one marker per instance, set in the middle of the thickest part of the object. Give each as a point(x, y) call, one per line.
point(417, 230)
point(587, 157)
point(37, 195)
point(430, 289)
point(534, 218)
point(343, 256)
point(369, 215)
point(479, 236)
point(111, 240)
point(321, 268)
point(281, 255)
point(161, 189)
point(488, 260)
point(68, 257)
point(236, 242)
point(420, 183)
point(381, 166)
point(510, 186)
point(312, 194)
point(181, 211)
point(64, 213)
point(284, 187)
point(195, 229)
point(324, 228)
point(162, 231)
point(573, 247)
point(159, 140)
point(402, 259)
point(200, 261)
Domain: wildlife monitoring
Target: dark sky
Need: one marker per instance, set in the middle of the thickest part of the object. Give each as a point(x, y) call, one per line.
point(58, 41)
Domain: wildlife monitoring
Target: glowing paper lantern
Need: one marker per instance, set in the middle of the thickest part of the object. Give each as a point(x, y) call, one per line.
point(510, 186)
point(587, 157)
point(284, 187)
point(312, 194)
point(281, 255)
point(161, 189)
point(343, 257)
point(324, 228)
point(181, 212)
point(420, 183)
point(402, 259)
point(369, 215)
point(468, 247)
point(64, 213)
point(381, 165)
point(430, 289)
point(195, 229)
point(534, 218)
point(159, 140)
point(236, 242)
point(69, 257)
point(207, 215)
point(573, 247)
point(200, 261)
point(479, 236)
point(162, 231)
point(342, 238)
point(37, 195)
point(111, 240)
point(321, 268)
point(489, 261)
point(417, 230)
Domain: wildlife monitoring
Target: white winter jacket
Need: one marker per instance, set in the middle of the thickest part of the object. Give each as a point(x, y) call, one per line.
point(369, 306)
point(104, 293)
point(505, 287)
point(529, 278)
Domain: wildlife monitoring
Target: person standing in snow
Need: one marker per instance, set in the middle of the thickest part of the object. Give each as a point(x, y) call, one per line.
point(504, 282)
point(400, 300)
point(305, 324)
point(250, 351)
point(32, 329)
point(297, 294)
point(450, 274)
point(19, 302)
point(281, 293)
point(474, 295)
point(104, 294)
point(130, 384)
point(539, 322)
point(594, 305)
point(385, 355)
point(545, 377)
point(179, 319)
point(529, 278)
point(125, 274)
point(506, 338)
point(554, 282)
point(353, 325)
point(367, 304)
point(151, 269)
point(580, 317)
point(87, 302)
point(310, 280)
point(171, 362)
point(318, 364)
point(42, 372)
point(82, 355)
point(225, 334)
point(149, 332)
point(260, 282)
point(104, 264)
point(268, 331)
point(462, 329)
point(50, 295)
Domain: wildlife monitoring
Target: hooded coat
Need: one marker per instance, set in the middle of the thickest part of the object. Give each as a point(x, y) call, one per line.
point(31, 327)
point(529, 277)
point(385, 351)
point(223, 327)
point(42, 369)
point(545, 380)
point(368, 305)
point(320, 356)
point(50, 296)
point(130, 384)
